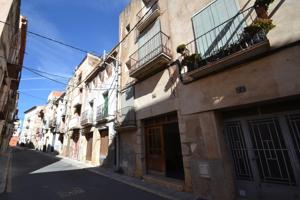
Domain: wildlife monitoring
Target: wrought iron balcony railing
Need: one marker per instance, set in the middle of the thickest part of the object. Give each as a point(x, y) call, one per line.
point(224, 45)
point(102, 113)
point(147, 15)
point(74, 123)
point(152, 56)
point(77, 100)
point(87, 117)
point(125, 118)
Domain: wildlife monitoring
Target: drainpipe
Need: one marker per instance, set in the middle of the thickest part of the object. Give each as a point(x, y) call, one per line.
point(117, 100)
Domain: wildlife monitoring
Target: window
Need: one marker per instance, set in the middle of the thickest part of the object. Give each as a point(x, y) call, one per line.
point(127, 28)
point(105, 108)
point(145, 47)
point(208, 31)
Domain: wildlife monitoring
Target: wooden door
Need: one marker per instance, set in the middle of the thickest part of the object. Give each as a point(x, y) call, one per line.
point(104, 144)
point(89, 146)
point(155, 149)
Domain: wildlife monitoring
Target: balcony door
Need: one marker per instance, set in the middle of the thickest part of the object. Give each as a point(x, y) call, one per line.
point(149, 42)
point(212, 30)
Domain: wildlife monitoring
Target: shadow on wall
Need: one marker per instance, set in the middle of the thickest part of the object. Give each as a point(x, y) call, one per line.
point(110, 161)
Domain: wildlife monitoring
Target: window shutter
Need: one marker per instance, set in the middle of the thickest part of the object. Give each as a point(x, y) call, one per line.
point(209, 34)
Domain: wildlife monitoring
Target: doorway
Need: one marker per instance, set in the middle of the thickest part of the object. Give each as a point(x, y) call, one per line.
point(89, 146)
point(104, 142)
point(163, 147)
point(264, 151)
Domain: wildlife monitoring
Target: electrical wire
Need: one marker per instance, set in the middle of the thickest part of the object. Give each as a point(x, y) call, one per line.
point(79, 49)
point(24, 93)
point(52, 40)
point(122, 40)
point(29, 68)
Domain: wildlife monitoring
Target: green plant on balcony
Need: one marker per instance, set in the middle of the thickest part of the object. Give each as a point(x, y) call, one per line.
point(182, 50)
point(193, 61)
point(261, 7)
point(258, 26)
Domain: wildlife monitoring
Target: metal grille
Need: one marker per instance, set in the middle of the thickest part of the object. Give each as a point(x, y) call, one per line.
point(273, 161)
point(294, 125)
point(239, 152)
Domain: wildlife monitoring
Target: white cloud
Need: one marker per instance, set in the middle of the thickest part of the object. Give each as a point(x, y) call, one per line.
point(32, 78)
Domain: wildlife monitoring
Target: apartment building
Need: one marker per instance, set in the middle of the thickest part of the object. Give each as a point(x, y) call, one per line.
point(98, 113)
point(51, 134)
point(74, 98)
point(32, 129)
point(213, 92)
point(12, 48)
point(60, 115)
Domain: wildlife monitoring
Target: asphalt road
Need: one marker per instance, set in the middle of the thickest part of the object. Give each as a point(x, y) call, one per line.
point(35, 176)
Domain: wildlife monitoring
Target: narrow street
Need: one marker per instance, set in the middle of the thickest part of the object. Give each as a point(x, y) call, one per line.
point(34, 175)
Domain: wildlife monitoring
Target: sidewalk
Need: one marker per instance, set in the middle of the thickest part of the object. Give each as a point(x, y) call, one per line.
point(5, 158)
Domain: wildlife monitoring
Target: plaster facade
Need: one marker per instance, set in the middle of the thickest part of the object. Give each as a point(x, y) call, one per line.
point(12, 49)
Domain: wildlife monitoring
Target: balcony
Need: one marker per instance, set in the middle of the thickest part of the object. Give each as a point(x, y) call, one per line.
point(147, 15)
point(102, 113)
point(61, 127)
point(225, 45)
point(74, 123)
point(13, 71)
point(77, 100)
point(86, 118)
point(151, 57)
point(125, 119)
point(14, 84)
point(52, 123)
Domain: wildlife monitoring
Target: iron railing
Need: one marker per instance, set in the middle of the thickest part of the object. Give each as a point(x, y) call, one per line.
point(74, 122)
point(87, 117)
point(154, 47)
point(126, 117)
point(147, 11)
point(225, 39)
point(77, 100)
point(102, 113)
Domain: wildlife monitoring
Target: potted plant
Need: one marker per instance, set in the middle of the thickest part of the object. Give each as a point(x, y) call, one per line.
point(258, 28)
point(182, 50)
point(193, 61)
point(261, 8)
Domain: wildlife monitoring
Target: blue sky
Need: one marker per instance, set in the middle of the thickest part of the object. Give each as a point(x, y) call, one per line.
point(88, 24)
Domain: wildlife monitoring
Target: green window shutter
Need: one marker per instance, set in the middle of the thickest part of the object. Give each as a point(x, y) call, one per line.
point(209, 34)
point(146, 47)
point(105, 108)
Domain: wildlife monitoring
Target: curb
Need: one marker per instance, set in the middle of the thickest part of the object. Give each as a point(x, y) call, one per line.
point(135, 185)
point(5, 177)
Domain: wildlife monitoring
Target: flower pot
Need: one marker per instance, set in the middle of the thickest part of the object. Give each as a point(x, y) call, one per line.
point(261, 12)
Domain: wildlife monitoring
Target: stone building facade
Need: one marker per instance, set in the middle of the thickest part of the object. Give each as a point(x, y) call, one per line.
point(74, 97)
point(12, 49)
point(221, 119)
point(50, 132)
point(98, 114)
point(32, 128)
point(205, 99)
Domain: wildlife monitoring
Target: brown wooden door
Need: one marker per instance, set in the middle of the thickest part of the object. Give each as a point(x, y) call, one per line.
point(89, 146)
point(104, 143)
point(155, 149)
